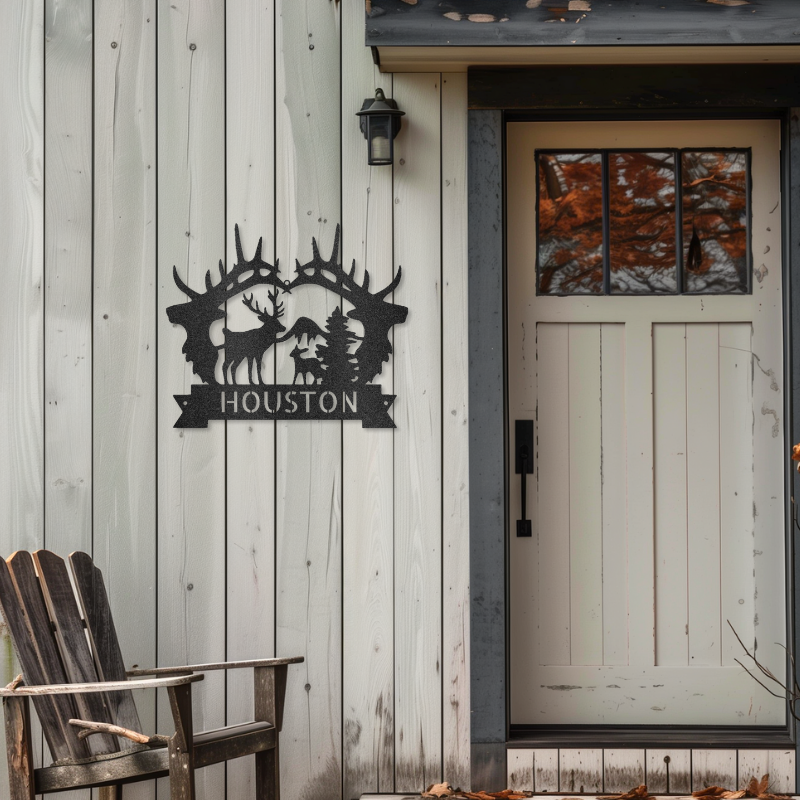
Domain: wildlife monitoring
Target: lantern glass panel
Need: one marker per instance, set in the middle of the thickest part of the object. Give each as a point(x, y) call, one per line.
point(380, 139)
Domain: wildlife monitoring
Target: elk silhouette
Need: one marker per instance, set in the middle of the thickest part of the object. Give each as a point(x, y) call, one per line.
point(251, 345)
point(372, 310)
point(302, 366)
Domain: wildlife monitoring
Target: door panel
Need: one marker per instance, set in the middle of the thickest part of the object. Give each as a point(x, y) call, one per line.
point(657, 502)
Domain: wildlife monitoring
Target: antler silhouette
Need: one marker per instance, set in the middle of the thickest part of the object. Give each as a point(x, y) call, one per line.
point(204, 308)
point(375, 314)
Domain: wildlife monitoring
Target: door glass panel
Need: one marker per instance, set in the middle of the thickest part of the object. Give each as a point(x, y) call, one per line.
point(715, 212)
point(642, 223)
point(570, 219)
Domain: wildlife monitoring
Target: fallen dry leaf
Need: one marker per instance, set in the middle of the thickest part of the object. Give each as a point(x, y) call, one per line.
point(639, 793)
point(439, 790)
point(579, 5)
point(755, 788)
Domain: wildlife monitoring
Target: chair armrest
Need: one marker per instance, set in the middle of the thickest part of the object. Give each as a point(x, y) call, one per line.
point(263, 662)
point(107, 686)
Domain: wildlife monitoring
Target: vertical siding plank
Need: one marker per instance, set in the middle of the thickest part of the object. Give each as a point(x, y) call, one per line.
point(581, 771)
point(191, 463)
point(736, 487)
point(552, 479)
point(642, 541)
point(752, 764)
point(455, 456)
point(545, 770)
point(713, 768)
point(668, 771)
point(68, 276)
point(614, 506)
point(417, 412)
point(250, 450)
point(669, 412)
point(125, 328)
point(520, 770)
point(585, 497)
point(781, 766)
point(367, 462)
point(308, 454)
point(623, 770)
point(702, 493)
point(21, 320)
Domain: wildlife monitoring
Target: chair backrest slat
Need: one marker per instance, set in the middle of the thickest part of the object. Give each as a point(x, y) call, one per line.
point(73, 645)
point(93, 599)
point(25, 613)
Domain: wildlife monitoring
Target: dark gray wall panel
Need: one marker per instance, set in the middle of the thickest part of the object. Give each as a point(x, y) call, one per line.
point(486, 411)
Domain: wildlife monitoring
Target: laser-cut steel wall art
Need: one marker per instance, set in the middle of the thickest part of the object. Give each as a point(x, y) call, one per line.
point(334, 383)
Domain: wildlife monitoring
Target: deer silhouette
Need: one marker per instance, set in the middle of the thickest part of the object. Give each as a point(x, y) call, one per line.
point(302, 366)
point(251, 345)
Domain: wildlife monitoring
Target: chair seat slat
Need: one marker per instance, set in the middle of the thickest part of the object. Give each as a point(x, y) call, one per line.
point(73, 646)
point(94, 603)
point(38, 653)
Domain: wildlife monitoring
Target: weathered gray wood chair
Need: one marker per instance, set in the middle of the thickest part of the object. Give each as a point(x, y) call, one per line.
point(73, 669)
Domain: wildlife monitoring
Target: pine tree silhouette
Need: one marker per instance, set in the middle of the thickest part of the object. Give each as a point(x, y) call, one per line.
point(340, 367)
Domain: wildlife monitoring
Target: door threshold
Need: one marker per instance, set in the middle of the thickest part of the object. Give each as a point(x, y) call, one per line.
point(605, 736)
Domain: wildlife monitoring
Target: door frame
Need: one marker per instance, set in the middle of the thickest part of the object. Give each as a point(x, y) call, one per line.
point(496, 97)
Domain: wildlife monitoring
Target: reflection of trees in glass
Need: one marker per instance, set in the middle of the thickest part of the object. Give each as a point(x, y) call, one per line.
point(642, 222)
point(570, 236)
point(715, 221)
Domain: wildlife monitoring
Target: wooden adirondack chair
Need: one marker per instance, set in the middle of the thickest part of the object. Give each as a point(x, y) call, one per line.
point(83, 698)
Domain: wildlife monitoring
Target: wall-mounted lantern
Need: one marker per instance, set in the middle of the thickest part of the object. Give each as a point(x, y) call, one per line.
point(380, 123)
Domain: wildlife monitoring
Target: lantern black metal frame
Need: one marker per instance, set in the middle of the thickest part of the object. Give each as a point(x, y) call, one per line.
point(377, 110)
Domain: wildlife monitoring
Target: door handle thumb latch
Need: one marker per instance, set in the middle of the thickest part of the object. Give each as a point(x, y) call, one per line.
point(523, 450)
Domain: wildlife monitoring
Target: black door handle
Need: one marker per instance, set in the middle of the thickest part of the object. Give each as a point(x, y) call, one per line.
point(523, 458)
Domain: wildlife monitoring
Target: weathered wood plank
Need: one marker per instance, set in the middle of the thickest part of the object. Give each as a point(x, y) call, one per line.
point(668, 771)
point(367, 455)
point(520, 770)
point(21, 305)
point(72, 644)
point(545, 770)
point(713, 768)
point(580, 771)
point(455, 448)
point(418, 457)
point(124, 343)
point(308, 455)
point(623, 770)
point(250, 489)
point(19, 762)
point(191, 464)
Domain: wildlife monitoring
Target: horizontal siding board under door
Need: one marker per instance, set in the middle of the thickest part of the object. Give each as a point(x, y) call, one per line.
point(552, 470)
point(614, 498)
point(669, 419)
point(585, 496)
point(668, 771)
point(702, 493)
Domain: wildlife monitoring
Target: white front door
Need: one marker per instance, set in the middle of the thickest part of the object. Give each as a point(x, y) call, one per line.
point(658, 494)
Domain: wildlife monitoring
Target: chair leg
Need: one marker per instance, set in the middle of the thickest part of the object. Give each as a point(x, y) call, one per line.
point(111, 792)
point(268, 786)
point(18, 748)
point(181, 745)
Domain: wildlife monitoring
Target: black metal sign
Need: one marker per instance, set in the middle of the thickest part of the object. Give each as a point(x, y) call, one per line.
point(333, 383)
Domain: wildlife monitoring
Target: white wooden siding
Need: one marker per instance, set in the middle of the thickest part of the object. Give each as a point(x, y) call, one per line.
point(663, 771)
point(346, 545)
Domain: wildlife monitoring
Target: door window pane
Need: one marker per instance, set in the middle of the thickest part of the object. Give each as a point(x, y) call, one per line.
point(714, 185)
point(570, 219)
point(642, 228)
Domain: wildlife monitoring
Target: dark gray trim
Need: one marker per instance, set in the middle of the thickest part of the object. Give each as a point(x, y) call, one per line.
point(487, 429)
point(605, 87)
point(621, 23)
point(488, 766)
point(791, 255)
